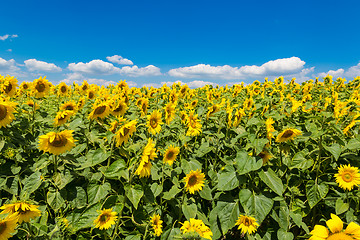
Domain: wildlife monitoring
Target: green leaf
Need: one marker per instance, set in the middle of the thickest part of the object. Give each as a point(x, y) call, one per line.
point(54, 199)
point(335, 150)
point(255, 205)
point(298, 161)
point(134, 194)
point(115, 170)
point(94, 157)
point(245, 163)
point(189, 210)
point(133, 237)
point(227, 213)
point(80, 199)
point(272, 181)
point(31, 184)
point(284, 235)
point(97, 192)
point(315, 192)
point(353, 144)
point(63, 178)
point(174, 190)
point(2, 144)
point(203, 149)
point(193, 165)
point(205, 193)
point(156, 189)
point(259, 144)
point(227, 179)
point(340, 206)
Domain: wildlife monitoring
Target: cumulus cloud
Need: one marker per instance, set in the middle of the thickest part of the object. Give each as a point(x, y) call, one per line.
point(97, 66)
point(276, 67)
point(3, 38)
point(79, 78)
point(192, 84)
point(119, 60)
point(334, 73)
point(135, 71)
point(353, 71)
point(8, 67)
point(35, 65)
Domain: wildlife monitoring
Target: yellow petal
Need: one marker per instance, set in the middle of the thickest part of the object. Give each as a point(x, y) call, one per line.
point(320, 232)
point(335, 224)
point(353, 229)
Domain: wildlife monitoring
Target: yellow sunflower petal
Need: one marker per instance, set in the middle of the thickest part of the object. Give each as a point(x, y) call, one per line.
point(335, 224)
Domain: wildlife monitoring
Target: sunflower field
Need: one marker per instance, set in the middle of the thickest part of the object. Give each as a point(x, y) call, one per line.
point(271, 160)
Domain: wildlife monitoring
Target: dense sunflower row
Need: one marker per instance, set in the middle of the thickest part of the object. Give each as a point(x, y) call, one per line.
point(266, 160)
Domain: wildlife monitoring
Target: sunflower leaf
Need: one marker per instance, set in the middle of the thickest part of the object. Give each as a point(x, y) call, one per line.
point(315, 192)
point(134, 194)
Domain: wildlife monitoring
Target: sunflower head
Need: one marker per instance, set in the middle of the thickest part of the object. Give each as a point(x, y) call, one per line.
point(247, 224)
point(170, 154)
point(41, 87)
point(119, 108)
point(70, 106)
point(156, 223)
point(7, 226)
point(62, 117)
point(154, 122)
point(9, 86)
point(22, 210)
point(25, 86)
point(7, 108)
point(57, 143)
point(100, 110)
point(106, 219)
point(194, 181)
point(347, 177)
point(196, 226)
point(63, 89)
point(288, 135)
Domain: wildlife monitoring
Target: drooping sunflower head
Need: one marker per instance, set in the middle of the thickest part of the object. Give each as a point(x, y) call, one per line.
point(63, 89)
point(81, 103)
point(7, 108)
point(347, 177)
point(125, 132)
point(352, 231)
point(144, 169)
point(106, 219)
point(40, 87)
point(265, 155)
point(156, 223)
point(197, 226)
point(122, 85)
point(144, 106)
point(100, 110)
point(7, 226)
point(62, 117)
point(57, 143)
point(9, 85)
point(171, 154)
point(194, 181)
point(84, 87)
point(119, 108)
point(288, 135)
point(213, 109)
point(154, 122)
point(70, 106)
point(22, 210)
point(247, 224)
point(91, 94)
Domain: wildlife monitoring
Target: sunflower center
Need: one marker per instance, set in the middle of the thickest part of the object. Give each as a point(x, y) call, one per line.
point(153, 123)
point(62, 117)
point(40, 87)
point(100, 110)
point(69, 107)
point(170, 155)
point(347, 177)
point(104, 218)
point(3, 112)
point(287, 133)
point(262, 155)
point(8, 88)
point(143, 107)
point(126, 131)
point(340, 236)
point(2, 227)
point(84, 87)
point(63, 89)
point(91, 95)
point(193, 124)
point(192, 180)
point(25, 86)
point(59, 141)
point(119, 108)
point(247, 222)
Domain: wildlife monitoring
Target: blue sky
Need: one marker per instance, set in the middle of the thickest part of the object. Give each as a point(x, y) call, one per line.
point(195, 42)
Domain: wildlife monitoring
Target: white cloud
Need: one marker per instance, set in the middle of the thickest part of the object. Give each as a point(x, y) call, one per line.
point(334, 73)
point(94, 67)
point(353, 71)
point(35, 65)
point(79, 78)
point(276, 67)
point(8, 67)
point(301, 76)
point(3, 38)
point(192, 84)
point(135, 71)
point(119, 60)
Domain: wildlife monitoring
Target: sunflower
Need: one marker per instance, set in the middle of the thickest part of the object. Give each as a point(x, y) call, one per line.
point(246, 224)
point(91, 94)
point(22, 210)
point(288, 135)
point(193, 104)
point(144, 106)
point(7, 227)
point(119, 109)
point(25, 86)
point(63, 89)
point(173, 96)
point(149, 153)
point(125, 132)
point(100, 110)
point(41, 87)
point(198, 226)
point(265, 155)
point(81, 103)
point(62, 117)
point(352, 231)
point(170, 154)
point(7, 108)
point(169, 112)
point(84, 87)
point(156, 223)
point(269, 128)
point(347, 177)
point(213, 109)
point(70, 106)
point(9, 86)
point(194, 181)
point(57, 143)
point(154, 122)
point(106, 219)
point(32, 104)
point(194, 125)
